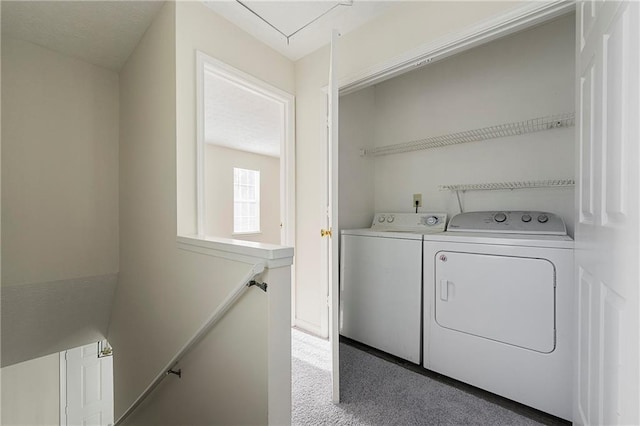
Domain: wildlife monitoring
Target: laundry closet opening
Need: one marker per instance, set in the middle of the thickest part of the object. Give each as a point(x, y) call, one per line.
point(525, 78)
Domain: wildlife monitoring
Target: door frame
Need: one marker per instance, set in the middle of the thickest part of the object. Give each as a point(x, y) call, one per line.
point(261, 88)
point(62, 397)
point(515, 20)
point(63, 388)
point(286, 100)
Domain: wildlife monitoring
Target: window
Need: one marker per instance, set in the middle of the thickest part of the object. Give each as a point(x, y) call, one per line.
point(246, 201)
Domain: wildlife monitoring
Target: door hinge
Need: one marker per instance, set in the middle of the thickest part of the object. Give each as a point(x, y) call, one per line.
point(325, 232)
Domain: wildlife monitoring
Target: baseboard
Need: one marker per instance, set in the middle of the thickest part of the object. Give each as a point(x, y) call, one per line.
point(309, 328)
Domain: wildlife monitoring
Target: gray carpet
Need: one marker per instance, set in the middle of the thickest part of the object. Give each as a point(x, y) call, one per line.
point(377, 392)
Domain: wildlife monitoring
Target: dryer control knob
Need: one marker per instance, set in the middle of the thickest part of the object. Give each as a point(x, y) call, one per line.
point(381, 218)
point(526, 218)
point(431, 220)
point(500, 217)
point(543, 218)
point(390, 219)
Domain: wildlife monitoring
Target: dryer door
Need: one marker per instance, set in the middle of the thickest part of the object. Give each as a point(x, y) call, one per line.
point(502, 298)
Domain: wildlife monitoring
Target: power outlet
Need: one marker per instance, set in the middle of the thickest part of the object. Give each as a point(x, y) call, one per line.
point(417, 198)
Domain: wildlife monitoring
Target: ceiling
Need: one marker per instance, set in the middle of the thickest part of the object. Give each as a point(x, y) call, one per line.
point(103, 33)
point(239, 119)
point(290, 16)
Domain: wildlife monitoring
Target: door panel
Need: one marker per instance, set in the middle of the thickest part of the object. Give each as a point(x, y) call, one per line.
point(613, 304)
point(89, 384)
point(585, 287)
point(586, 149)
point(614, 139)
point(503, 298)
point(608, 371)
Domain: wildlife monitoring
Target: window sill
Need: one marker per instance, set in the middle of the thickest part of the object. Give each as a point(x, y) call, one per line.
point(244, 234)
point(274, 256)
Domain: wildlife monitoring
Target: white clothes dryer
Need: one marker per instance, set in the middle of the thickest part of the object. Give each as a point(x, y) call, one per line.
point(498, 300)
point(381, 282)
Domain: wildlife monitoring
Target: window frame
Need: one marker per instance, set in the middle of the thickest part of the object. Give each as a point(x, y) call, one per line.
point(256, 200)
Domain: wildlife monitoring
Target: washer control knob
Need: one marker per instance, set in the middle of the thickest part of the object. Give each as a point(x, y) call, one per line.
point(431, 220)
point(390, 219)
point(526, 218)
point(543, 218)
point(500, 217)
point(381, 218)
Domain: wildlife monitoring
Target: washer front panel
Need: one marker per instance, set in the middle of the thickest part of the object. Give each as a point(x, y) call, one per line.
point(380, 293)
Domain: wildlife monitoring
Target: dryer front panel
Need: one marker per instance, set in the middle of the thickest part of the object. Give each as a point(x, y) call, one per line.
point(507, 299)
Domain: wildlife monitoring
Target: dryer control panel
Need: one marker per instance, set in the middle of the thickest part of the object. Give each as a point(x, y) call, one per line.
point(515, 222)
point(421, 223)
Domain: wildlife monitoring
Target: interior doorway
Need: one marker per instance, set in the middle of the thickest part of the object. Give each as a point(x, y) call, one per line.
point(245, 164)
point(86, 385)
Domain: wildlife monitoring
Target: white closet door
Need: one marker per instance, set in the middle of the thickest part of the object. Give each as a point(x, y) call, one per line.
point(332, 219)
point(89, 387)
point(607, 232)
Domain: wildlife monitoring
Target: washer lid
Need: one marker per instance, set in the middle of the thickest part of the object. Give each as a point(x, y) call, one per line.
point(510, 222)
point(369, 232)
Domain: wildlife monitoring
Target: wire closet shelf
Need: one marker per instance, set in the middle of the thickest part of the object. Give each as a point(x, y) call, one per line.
point(509, 185)
point(491, 132)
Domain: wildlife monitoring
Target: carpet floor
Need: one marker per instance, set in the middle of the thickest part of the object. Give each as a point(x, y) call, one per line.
point(378, 392)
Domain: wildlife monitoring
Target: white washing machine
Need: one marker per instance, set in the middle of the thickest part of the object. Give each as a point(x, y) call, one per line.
point(381, 282)
point(498, 300)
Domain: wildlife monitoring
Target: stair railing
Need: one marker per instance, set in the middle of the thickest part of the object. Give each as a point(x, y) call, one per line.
point(247, 281)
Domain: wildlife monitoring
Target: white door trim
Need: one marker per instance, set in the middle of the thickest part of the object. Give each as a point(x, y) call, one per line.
point(63, 388)
point(333, 222)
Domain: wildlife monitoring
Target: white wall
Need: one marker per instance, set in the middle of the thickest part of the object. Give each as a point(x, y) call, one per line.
point(31, 392)
point(59, 221)
point(206, 31)
point(516, 78)
point(219, 164)
point(60, 166)
point(356, 190)
point(165, 293)
point(407, 26)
